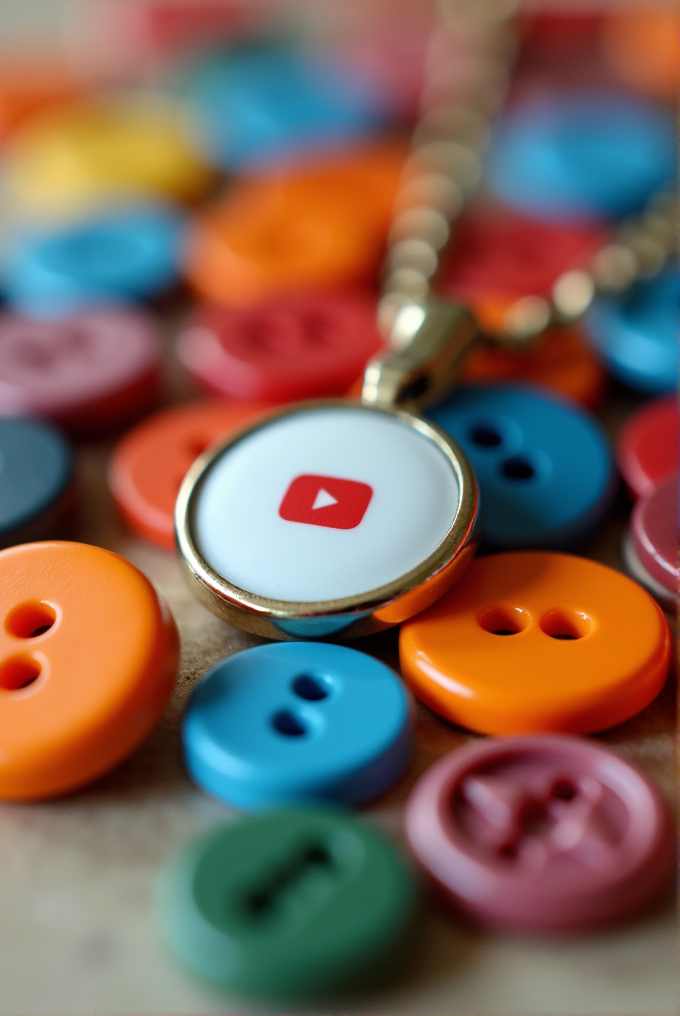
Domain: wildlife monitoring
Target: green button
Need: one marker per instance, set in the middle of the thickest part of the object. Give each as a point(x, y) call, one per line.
point(289, 903)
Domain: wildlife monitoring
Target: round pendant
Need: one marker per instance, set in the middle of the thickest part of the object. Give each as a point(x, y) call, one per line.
point(327, 519)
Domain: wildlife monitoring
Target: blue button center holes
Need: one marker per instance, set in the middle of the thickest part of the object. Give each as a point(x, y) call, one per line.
point(518, 467)
point(311, 688)
point(485, 435)
point(288, 724)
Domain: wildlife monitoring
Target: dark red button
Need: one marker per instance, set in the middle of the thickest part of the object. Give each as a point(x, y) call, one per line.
point(548, 834)
point(652, 546)
point(504, 254)
point(326, 501)
point(290, 347)
point(648, 448)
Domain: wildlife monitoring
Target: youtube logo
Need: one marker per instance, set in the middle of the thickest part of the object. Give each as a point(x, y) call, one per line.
point(326, 501)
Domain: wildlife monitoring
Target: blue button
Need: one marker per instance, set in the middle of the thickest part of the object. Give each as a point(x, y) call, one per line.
point(544, 467)
point(582, 156)
point(117, 256)
point(297, 722)
point(36, 469)
point(265, 105)
point(637, 334)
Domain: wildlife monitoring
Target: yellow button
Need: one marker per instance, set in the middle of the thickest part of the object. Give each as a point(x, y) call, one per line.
point(74, 156)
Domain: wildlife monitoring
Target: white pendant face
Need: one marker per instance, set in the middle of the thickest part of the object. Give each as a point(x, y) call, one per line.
point(324, 504)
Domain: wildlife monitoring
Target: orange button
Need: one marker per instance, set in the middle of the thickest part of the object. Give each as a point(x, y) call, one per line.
point(561, 361)
point(149, 463)
point(88, 658)
point(643, 48)
point(538, 642)
point(29, 83)
point(322, 227)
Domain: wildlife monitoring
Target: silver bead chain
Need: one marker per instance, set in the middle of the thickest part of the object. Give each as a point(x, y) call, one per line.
point(444, 170)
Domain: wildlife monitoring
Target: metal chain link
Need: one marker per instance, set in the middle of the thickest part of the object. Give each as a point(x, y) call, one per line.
point(444, 171)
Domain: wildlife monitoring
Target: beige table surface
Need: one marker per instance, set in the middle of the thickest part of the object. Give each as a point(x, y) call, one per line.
point(77, 934)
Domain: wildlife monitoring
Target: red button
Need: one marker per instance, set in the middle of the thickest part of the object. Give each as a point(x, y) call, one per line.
point(648, 448)
point(652, 546)
point(326, 501)
point(502, 254)
point(291, 347)
point(86, 372)
point(150, 462)
point(541, 833)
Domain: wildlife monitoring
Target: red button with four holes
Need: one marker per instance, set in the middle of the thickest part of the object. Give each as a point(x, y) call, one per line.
point(502, 254)
point(648, 448)
point(541, 834)
point(291, 347)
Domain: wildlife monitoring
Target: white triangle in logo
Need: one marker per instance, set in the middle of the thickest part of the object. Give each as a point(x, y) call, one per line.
point(323, 499)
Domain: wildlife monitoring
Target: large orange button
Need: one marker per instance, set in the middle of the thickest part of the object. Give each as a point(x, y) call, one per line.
point(149, 463)
point(88, 658)
point(538, 642)
point(321, 227)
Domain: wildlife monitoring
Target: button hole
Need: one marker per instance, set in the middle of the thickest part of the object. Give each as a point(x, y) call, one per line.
point(288, 724)
point(485, 436)
point(566, 625)
point(499, 619)
point(19, 672)
point(518, 468)
point(31, 619)
point(311, 688)
point(564, 790)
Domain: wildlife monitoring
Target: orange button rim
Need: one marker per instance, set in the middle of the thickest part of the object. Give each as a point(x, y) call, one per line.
point(108, 661)
point(530, 682)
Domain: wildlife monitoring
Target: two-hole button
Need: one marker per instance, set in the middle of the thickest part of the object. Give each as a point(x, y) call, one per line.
point(538, 642)
point(297, 722)
point(88, 657)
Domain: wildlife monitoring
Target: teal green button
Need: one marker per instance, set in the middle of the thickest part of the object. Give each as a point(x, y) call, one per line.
point(289, 903)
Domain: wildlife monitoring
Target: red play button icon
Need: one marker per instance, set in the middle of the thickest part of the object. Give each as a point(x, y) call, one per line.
point(326, 501)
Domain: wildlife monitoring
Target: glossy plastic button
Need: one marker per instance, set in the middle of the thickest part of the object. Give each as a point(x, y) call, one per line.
point(290, 903)
point(651, 548)
point(538, 642)
point(562, 362)
point(262, 105)
point(544, 468)
point(121, 255)
point(27, 86)
point(582, 156)
point(636, 334)
point(541, 834)
point(500, 254)
point(103, 149)
point(319, 227)
point(295, 723)
point(299, 346)
point(149, 463)
point(87, 371)
point(648, 446)
point(36, 474)
point(88, 657)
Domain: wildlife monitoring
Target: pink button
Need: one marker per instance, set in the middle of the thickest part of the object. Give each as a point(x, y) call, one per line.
point(86, 371)
point(648, 448)
point(296, 346)
point(651, 549)
point(550, 834)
